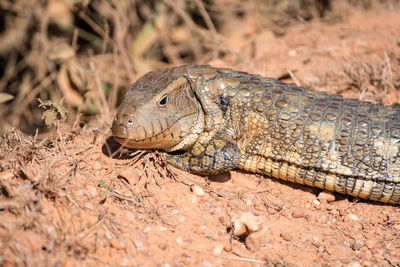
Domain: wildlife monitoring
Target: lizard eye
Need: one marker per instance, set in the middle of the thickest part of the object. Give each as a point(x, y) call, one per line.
point(163, 101)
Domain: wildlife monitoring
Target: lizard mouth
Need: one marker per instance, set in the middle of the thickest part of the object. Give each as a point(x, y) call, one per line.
point(171, 132)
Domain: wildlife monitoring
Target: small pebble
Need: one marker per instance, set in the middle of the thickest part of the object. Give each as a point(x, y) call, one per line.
point(298, 213)
point(163, 246)
point(218, 249)
point(222, 220)
point(6, 175)
point(203, 229)
point(323, 219)
point(239, 228)
point(117, 244)
point(248, 202)
point(256, 240)
point(140, 241)
point(286, 236)
point(97, 166)
point(316, 202)
point(327, 196)
point(357, 244)
point(194, 199)
point(175, 212)
point(198, 190)
point(90, 190)
point(370, 244)
point(179, 240)
point(353, 217)
point(354, 264)
point(247, 223)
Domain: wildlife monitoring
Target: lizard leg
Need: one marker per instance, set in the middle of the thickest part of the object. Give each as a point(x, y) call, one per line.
point(218, 155)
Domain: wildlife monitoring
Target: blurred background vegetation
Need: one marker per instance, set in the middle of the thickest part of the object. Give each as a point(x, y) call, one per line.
point(84, 53)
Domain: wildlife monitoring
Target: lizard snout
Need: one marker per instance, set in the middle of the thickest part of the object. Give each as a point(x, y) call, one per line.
point(122, 122)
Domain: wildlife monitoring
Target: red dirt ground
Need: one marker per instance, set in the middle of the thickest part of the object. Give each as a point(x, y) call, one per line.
point(90, 209)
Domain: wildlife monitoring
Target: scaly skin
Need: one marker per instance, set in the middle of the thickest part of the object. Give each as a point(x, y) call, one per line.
point(214, 120)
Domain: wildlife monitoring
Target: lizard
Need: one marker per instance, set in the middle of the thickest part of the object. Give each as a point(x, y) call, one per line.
point(211, 120)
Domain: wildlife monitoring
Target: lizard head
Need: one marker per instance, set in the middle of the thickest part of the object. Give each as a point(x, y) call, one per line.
point(159, 111)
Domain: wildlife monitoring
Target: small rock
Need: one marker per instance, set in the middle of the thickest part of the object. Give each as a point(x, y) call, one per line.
point(278, 206)
point(90, 191)
point(248, 202)
point(353, 217)
point(175, 211)
point(354, 264)
point(211, 211)
point(97, 166)
point(179, 240)
point(286, 213)
point(6, 175)
point(194, 199)
point(357, 244)
point(181, 219)
point(370, 244)
point(163, 246)
point(117, 244)
point(203, 229)
point(323, 219)
point(286, 236)
point(222, 220)
point(298, 213)
point(246, 224)
point(218, 249)
point(140, 241)
point(239, 228)
point(327, 196)
point(364, 250)
point(198, 190)
point(256, 240)
point(316, 202)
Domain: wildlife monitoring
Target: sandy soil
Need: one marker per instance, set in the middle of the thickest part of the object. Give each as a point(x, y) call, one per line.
point(72, 204)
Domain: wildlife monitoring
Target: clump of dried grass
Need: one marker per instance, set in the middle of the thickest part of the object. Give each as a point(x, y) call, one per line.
point(376, 82)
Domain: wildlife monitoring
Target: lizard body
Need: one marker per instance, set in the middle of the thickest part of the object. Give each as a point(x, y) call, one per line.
point(213, 120)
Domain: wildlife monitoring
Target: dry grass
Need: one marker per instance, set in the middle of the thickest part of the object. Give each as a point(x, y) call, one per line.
point(375, 82)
